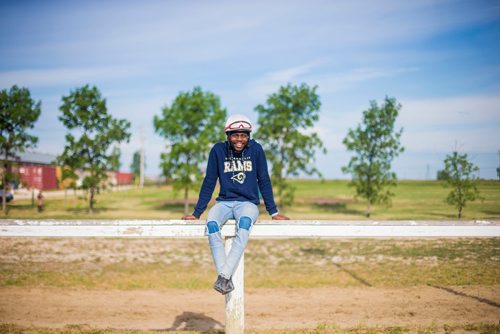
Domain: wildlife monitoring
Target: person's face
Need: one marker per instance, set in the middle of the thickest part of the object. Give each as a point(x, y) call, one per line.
point(239, 141)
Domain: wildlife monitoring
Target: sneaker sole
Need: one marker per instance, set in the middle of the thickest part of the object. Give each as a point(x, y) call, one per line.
point(219, 291)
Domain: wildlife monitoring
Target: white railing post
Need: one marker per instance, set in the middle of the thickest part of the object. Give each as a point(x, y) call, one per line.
point(235, 300)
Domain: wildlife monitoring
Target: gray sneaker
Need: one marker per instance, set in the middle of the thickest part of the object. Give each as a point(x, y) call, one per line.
point(229, 287)
point(223, 285)
point(220, 284)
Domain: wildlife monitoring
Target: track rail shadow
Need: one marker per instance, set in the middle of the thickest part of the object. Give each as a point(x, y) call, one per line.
point(353, 275)
point(458, 293)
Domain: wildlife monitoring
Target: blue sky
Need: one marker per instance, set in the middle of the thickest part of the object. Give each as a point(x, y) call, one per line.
point(439, 59)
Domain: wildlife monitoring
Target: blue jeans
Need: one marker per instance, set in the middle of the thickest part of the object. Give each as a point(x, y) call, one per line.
point(245, 214)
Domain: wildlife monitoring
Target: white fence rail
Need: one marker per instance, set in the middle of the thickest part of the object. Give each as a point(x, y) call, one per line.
point(234, 301)
point(263, 228)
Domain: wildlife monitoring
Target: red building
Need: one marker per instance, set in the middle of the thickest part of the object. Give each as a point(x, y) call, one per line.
point(38, 176)
point(37, 170)
point(124, 178)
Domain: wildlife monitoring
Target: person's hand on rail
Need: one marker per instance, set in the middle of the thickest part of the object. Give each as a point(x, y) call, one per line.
point(189, 217)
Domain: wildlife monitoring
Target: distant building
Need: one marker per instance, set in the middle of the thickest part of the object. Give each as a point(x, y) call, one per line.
point(37, 170)
point(124, 178)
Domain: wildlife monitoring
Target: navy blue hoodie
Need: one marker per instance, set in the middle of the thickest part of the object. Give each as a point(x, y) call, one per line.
point(241, 176)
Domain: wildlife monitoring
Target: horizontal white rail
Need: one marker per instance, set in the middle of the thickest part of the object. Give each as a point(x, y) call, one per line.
point(263, 228)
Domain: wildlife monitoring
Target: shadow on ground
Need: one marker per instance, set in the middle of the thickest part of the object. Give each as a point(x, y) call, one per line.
point(195, 321)
point(494, 214)
point(461, 294)
point(337, 208)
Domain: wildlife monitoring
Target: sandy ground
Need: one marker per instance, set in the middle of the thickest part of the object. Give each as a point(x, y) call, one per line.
point(176, 309)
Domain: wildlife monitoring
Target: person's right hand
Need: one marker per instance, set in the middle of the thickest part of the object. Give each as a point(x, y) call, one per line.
point(189, 217)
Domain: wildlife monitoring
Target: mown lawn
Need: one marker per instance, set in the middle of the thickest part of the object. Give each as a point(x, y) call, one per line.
point(330, 199)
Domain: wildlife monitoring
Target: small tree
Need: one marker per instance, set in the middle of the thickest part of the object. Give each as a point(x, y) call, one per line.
point(461, 178)
point(442, 175)
point(85, 113)
point(68, 179)
point(285, 124)
point(114, 159)
point(114, 164)
point(192, 125)
point(135, 166)
point(376, 144)
point(18, 113)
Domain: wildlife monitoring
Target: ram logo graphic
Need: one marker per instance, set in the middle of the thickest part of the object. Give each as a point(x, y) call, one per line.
point(240, 177)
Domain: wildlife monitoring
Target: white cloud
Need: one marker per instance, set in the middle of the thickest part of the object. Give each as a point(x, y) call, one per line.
point(270, 82)
point(445, 140)
point(63, 76)
point(468, 123)
point(464, 110)
point(328, 82)
point(334, 82)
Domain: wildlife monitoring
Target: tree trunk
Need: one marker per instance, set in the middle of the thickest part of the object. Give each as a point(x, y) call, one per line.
point(186, 204)
point(91, 200)
point(4, 186)
point(368, 209)
point(4, 198)
point(460, 212)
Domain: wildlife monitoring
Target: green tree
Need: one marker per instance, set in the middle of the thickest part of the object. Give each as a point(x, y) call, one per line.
point(442, 175)
point(69, 179)
point(285, 123)
point(85, 113)
point(191, 125)
point(135, 166)
point(114, 159)
point(18, 113)
point(461, 178)
point(376, 143)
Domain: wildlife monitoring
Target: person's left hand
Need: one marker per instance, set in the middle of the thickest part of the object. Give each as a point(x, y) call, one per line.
point(280, 217)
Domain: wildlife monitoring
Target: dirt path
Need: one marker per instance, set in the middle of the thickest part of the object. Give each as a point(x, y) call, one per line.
point(264, 308)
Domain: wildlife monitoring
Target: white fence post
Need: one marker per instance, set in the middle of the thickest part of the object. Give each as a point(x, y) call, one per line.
point(235, 300)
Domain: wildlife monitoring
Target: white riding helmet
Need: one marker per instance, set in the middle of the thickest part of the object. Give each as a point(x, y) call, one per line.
point(238, 123)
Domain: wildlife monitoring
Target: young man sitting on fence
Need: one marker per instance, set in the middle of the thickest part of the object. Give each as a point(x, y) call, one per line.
point(241, 167)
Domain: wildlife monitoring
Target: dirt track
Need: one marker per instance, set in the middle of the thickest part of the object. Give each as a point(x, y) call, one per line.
point(264, 308)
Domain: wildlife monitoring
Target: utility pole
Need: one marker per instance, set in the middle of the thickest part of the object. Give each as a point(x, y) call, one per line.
point(141, 167)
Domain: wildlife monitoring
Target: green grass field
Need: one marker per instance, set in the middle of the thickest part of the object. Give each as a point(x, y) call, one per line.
point(333, 199)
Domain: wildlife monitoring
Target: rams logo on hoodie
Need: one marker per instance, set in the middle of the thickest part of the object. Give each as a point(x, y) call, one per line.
point(237, 166)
